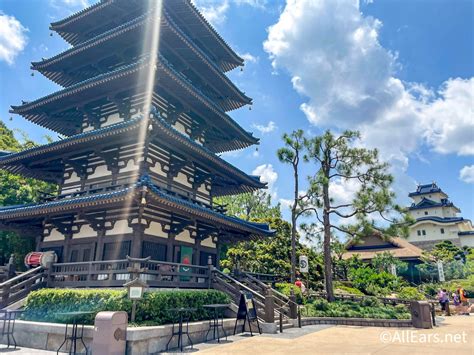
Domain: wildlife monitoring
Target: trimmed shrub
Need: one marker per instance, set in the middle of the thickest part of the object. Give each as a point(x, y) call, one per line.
point(410, 293)
point(285, 288)
point(368, 308)
point(346, 290)
point(45, 305)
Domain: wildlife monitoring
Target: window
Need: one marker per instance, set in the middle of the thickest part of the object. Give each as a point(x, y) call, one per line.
point(154, 250)
point(418, 232)
point(116, 251)
point(426, 213)
point(442, 230)
point(423, 232)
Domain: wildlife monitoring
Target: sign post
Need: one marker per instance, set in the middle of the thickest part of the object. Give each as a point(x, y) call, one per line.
point(440, 271)
point(248, 312)
point(135, 290)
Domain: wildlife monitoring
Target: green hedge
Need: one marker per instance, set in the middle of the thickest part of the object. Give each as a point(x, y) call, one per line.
point(369, 307)
point(45, 305)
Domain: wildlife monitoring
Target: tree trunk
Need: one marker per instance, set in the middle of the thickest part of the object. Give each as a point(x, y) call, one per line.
point(327, 241)
point(293, 220)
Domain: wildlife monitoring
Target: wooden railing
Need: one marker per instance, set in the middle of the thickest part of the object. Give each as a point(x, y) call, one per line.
point(20, 286)
point(115, 273)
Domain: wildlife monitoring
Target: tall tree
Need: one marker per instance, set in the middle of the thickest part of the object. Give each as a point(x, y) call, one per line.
point(292, 154)
point(15, 190)
point(249, 205)
point(338, 159)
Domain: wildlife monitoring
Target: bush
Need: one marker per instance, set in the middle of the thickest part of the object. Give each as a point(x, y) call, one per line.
point(347, 290)
point(45, 305)
point(286, 288)
point(410, 293)
point(375, 283)
point(368, 308)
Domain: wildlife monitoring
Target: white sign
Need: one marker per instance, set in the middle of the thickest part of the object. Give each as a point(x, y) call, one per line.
point(304, 267)
point(441, 271)
point(393, 269)
point(136, 292)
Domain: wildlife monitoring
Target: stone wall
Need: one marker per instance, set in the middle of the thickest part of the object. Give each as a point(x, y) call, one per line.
point(363, 322)
point(140, 340)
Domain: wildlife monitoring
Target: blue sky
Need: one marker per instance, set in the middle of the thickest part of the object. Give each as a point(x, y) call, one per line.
point(401, 72)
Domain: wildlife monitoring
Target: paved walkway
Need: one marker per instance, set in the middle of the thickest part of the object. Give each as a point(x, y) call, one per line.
point(454, 335)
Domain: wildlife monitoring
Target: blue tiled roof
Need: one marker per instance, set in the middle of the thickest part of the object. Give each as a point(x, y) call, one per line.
point(426, 189)
point(144, 181)
point(76, 137)
point(427, 203)
point(440, 219)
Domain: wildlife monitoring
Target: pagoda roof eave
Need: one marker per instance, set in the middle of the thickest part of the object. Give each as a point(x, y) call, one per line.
point(119, 196)
point(35, 111)
point(54, 71)
point(65, 28)
point(16, 162)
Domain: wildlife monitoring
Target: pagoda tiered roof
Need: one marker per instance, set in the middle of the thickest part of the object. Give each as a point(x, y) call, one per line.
point(92, 57)
point(105, 15)
point(426, 189)
point(59, 111)
point(46, 162)
point(427, 203)
point(155, 196)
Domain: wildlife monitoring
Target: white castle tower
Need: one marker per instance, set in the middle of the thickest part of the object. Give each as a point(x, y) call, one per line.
point(437, 219)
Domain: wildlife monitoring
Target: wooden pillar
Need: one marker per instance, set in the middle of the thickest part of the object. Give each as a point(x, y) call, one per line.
point(218, 253)
point(99, 251)
point(38, 241)
point(138, 232)
point(170, 247)
point(67, 246)
point(197, 251)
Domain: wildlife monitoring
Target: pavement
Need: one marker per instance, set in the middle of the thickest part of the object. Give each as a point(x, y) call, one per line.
point(453, 335)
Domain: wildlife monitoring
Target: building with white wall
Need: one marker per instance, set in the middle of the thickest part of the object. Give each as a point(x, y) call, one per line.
point(437, 219)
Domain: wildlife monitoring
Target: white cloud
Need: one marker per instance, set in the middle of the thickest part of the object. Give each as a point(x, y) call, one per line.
point(70, 5)
point(449, 120)
point(269, 175)
point(249, 58)
point(268, 128)
point(13, 38)
point(467, 174)
point(215, 10)
point(334, 57)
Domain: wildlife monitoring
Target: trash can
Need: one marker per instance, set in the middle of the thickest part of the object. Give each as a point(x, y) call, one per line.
point(421, 314)
point(110, 329)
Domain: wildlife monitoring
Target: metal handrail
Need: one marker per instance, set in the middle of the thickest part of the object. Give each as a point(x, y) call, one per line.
point(19, 277)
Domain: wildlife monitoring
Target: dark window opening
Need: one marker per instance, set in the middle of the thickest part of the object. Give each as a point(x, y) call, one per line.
point(154, 250)
point(116, 251)
point(423, 232)
point(418, 232)
point(442, 230)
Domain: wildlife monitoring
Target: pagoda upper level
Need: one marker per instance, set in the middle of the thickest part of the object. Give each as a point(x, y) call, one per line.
point(105, 73)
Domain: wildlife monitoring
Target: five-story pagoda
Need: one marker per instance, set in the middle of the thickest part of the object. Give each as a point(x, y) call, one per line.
point(143, 112)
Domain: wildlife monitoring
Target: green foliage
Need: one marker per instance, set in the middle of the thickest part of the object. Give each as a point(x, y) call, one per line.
point(250, 206)
point(286, 288)
point(375, 283)
point(44, 305)
point(410, 293)
point(271, 255)
point(369, 308)
point(16, 190)
point(347, 290)
point(383, 262)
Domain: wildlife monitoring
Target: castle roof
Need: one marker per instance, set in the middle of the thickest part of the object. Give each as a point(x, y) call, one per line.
point(427, 203)
point(426, 189)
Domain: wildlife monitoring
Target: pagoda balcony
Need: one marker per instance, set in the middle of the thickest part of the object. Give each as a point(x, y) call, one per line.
point(178, 192)
point(105, 15)
point(100, 54)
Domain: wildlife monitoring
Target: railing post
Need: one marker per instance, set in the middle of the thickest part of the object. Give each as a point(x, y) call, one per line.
point(5, 295)
point(269, 306)
point(293, 305)
point(210, 269)
point(48, 273)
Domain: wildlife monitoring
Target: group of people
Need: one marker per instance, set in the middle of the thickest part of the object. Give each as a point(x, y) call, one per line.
point(459, 298)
